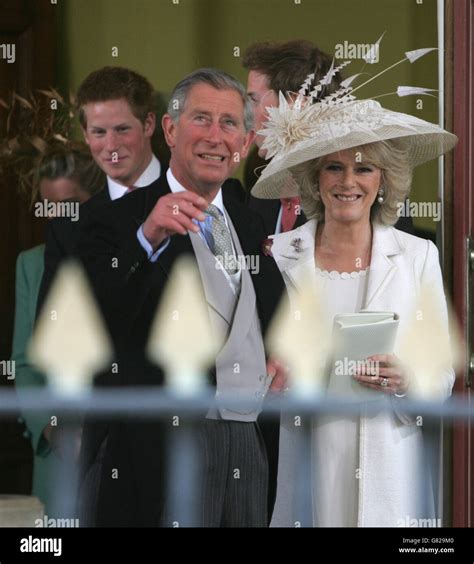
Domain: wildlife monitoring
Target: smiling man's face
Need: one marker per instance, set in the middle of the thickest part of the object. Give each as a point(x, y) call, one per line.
point(209, 139)
point(119, 141)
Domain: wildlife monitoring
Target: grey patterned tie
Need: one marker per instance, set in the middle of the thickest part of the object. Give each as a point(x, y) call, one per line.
point(223, 249)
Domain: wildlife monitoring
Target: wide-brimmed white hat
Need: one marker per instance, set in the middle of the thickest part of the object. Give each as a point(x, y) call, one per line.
point(298, 131)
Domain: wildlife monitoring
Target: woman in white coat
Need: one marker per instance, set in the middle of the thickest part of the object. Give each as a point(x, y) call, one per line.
point(351, 164)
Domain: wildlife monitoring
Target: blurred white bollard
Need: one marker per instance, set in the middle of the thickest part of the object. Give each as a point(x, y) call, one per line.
point(20, 510)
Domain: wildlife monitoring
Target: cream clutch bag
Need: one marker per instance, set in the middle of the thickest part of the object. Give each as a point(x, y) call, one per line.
point(357, 336)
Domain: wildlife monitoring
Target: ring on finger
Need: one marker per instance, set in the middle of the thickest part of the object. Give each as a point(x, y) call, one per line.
point(384, 382)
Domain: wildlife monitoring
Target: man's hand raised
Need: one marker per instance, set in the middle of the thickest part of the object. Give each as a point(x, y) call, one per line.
point(173, 214)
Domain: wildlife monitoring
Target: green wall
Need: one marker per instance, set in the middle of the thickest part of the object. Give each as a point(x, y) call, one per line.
point(165, 40)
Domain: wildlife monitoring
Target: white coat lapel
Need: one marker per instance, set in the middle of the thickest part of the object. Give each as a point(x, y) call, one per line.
point(382, 268)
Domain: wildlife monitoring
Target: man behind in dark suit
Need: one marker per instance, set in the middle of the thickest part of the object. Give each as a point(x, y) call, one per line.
point(208, 129)
point(275, 67)
point(116, 112)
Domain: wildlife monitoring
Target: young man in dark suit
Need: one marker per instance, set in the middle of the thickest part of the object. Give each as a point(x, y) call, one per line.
point(208, 129)
point(116, 112)
point(275, 67)
point(115, 107)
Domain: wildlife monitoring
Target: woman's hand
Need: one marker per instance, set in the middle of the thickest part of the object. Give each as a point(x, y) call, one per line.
point(385, 373)
point(279, 374)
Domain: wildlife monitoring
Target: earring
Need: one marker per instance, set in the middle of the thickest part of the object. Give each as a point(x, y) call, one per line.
point(380, 199)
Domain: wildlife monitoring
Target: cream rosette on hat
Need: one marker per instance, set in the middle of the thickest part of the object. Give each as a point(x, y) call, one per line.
point(298, 131)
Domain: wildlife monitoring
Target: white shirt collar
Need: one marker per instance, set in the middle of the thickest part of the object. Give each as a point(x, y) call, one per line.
point(175, 186)
point(149, 175)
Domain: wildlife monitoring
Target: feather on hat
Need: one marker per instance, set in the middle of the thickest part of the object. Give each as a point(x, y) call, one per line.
point(299, 130)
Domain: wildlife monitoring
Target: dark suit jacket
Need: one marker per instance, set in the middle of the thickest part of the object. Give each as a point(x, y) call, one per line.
point(63, 235)
point(129, 295)
point(269, 210)
point(62, 238)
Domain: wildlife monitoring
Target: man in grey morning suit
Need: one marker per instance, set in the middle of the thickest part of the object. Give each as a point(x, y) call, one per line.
point(211, 126)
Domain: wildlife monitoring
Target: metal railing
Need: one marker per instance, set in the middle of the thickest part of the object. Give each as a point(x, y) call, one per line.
point(152, 403)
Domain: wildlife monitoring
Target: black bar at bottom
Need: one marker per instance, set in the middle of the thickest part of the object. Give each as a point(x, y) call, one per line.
point(404, 544)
